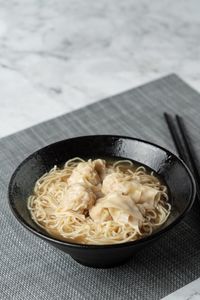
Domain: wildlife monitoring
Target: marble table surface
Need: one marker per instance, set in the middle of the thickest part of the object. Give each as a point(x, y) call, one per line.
point(57, 56)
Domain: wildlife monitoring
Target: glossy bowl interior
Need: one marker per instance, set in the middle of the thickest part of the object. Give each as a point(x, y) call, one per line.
point(169, 167)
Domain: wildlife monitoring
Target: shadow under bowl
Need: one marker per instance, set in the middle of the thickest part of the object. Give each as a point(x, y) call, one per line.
point(169, 167)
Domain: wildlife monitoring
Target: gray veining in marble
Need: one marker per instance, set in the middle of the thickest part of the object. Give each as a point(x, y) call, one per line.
point(189, 292)
point(56, 56)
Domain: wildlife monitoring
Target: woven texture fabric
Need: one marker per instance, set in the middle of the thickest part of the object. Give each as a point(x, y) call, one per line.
point(32, 269)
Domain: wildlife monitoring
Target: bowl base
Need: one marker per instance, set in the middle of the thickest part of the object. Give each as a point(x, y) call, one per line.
point(102, 265)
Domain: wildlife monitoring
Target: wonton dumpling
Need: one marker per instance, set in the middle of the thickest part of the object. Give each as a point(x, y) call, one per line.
point(78, 198)
point(115, 182)
point(117, 207)
point(146, 196)
point(85, 171)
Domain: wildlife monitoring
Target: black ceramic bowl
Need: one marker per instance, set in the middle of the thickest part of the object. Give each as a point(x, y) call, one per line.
point(173, 171)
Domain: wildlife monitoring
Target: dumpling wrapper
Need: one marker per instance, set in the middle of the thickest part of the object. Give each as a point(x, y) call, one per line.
point(115, 182)
point(140, 194)
point(116, 207)
point(90, 171)
point(77, 198)
point(149, 197)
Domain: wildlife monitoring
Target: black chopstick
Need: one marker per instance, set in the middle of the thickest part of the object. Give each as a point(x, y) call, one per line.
point(175, 136)
point(183, 145)
point(188, 146)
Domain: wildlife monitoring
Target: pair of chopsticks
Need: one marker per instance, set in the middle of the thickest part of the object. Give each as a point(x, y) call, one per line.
point(183, 145)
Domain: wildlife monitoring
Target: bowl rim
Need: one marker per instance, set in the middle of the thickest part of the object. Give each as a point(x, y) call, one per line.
point(151, 237)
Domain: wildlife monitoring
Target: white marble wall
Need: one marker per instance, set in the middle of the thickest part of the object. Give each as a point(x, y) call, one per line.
point(189, 292)
point(56, 56)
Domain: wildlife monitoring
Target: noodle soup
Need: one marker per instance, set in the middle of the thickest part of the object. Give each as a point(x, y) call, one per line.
point(99, 201)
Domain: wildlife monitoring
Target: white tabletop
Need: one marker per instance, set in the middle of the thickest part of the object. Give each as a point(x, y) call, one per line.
point(57, 56)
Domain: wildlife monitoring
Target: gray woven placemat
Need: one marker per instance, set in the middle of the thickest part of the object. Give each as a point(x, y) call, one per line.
point(32, 269)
